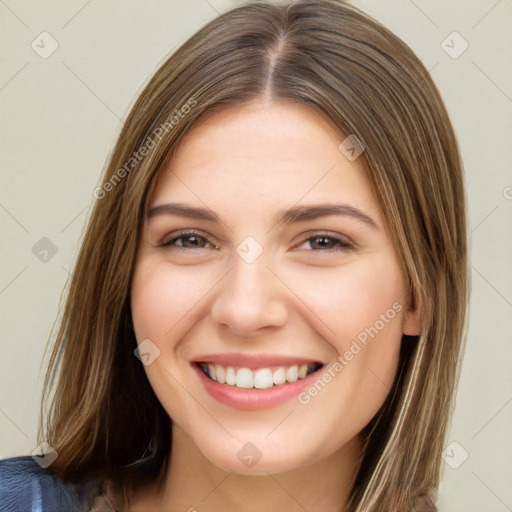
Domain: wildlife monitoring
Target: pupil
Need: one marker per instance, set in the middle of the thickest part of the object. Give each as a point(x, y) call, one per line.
point(194, 238)
point(324, 239)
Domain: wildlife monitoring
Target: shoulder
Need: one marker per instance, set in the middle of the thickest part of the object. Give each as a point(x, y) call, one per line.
point(26, 486)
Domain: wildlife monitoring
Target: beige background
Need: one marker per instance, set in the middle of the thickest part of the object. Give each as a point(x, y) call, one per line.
point(61, 114)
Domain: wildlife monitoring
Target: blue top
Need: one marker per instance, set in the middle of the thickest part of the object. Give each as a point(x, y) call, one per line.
point(26, 487)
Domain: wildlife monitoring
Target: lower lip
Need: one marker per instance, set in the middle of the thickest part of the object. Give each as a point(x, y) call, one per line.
point(254, 399)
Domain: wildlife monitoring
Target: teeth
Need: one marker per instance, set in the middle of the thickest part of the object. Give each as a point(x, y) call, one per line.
point(292, 374)
point(279, 376)
point(220, 373)
point(262, 378)
point(230, 376)
point(244, 378)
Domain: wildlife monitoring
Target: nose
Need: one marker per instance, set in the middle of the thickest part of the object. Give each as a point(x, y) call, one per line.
point(251, 298)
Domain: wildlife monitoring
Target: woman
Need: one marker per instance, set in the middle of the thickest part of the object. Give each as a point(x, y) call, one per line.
point(267, 311)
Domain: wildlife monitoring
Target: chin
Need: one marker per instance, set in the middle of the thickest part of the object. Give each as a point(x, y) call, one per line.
point(258, 458)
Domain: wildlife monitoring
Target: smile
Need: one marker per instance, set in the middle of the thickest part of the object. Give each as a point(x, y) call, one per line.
point(260, 378)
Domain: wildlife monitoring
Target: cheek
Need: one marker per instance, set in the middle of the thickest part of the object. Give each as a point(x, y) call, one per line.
point(372, 307)
point(350, 300)
point(161, 297)
point(163, 303)
point(363, 306)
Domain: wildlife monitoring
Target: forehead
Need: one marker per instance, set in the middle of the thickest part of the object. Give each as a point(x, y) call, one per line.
point(257, 129)
point(270, 152)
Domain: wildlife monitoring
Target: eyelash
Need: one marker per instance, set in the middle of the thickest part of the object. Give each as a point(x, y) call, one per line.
point(341, 244)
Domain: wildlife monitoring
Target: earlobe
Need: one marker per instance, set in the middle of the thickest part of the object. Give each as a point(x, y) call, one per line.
point(412, 319)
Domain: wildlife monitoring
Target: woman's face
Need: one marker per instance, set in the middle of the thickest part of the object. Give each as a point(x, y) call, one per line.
point(265, 286)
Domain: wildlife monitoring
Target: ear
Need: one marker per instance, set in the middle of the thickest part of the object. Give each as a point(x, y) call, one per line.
point(412, 318)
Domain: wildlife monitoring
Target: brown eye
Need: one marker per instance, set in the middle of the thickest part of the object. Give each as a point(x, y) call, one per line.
point(189, 240)
point(326, 243)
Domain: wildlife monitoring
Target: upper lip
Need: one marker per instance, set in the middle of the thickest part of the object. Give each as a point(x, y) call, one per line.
point(254, 360)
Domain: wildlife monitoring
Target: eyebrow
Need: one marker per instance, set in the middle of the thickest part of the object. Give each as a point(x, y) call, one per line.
point(284, 217)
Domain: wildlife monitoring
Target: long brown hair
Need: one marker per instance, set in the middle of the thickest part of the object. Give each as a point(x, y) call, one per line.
point(103, 418)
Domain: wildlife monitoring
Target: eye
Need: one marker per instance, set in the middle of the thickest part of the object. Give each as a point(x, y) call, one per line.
point(319, 242)
point(189, 240)
point(326, 243)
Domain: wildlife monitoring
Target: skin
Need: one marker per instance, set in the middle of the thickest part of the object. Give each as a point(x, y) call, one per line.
point(300, 297)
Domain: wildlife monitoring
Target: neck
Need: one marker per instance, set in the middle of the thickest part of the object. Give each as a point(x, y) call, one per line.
point(194, 484)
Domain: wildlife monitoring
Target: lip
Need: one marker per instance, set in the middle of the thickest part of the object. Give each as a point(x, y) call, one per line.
point(254, 399)
point(253, 361)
